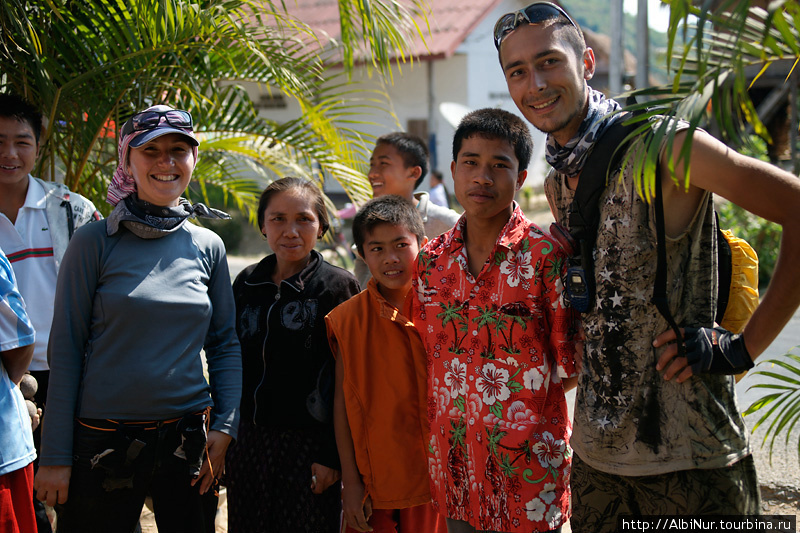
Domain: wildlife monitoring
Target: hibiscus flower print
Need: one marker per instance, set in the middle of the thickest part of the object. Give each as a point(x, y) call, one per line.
point(548, 493)
point(517, 267)
point(526, 341)
point(549, 451)
point(535, 509)
point(456, 378)
point(493, 383)
point(553, 517)
point(533, 379)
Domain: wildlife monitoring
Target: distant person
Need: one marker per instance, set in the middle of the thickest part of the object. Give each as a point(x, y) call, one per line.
point(656, 432)
point(439, 194)
point(398, 165)
point(37, 220)
point(140, 296)
point(283, 473)
point(16, 439)
point(500, 342)
point(380, 400)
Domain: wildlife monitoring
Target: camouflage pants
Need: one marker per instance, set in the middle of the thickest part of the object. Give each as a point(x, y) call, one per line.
point(598, 498)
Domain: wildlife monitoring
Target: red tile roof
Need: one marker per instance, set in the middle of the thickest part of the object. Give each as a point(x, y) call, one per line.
point(451, 21)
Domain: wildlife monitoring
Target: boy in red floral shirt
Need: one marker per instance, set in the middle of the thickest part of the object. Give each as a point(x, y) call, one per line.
point(500, 342)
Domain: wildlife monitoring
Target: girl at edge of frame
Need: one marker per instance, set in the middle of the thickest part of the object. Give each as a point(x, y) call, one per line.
point(140, 295)
point(283, 473)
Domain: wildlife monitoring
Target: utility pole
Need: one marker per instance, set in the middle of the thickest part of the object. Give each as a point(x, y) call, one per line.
point(642, 46)
point(616, 58)
point(432, 125)
point(793, 122)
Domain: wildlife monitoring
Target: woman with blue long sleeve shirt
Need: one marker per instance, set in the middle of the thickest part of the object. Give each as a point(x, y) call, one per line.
point(139, 295)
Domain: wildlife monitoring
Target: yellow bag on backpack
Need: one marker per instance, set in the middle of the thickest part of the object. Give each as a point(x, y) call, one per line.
point(743, 298)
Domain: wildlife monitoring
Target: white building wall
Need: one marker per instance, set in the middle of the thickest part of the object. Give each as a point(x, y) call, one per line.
point(487, 83)
point(470, 79)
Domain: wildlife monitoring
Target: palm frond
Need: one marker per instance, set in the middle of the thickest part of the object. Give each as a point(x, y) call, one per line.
point(780, 409)
point(90, 65)
point(724, 44)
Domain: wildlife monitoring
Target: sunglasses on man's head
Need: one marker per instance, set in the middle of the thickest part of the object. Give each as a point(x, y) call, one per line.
point(533, 14)
point(148, 120)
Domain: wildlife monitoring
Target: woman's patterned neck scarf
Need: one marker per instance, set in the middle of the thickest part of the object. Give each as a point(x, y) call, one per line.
point(570, 158)
point(150, 221)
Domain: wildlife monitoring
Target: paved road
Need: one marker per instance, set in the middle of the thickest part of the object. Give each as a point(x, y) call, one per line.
point(784, 469)
point(237, 263)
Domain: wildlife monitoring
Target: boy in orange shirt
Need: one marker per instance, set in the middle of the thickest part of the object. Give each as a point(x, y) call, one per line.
point(381, 379)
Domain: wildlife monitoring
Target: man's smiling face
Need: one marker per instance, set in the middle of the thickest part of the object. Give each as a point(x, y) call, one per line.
point(546, 78)
point(18, 151)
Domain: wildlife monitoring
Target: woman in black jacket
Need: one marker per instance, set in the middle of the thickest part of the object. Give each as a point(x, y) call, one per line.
point(283, 472)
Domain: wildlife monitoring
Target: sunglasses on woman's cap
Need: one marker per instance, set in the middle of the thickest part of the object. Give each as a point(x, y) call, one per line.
point(158, 123)
point(533, 14)
point(147, 120)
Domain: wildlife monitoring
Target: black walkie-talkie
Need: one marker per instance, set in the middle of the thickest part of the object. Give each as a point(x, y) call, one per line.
point(578, 286)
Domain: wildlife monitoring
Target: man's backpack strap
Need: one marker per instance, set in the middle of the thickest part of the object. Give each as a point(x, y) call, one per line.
point(660, 288)
point(724, 272)
point(584, 212)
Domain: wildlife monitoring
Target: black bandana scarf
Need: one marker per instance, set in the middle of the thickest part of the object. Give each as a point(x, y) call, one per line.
point(570, 158)
point(150, 221)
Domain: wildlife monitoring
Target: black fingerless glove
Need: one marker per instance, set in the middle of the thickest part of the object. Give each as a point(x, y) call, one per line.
point(716, 351)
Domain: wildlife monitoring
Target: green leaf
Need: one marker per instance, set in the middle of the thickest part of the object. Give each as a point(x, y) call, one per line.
point(497, 410)
point(711, 58)
point(781, 410)
point(460, 403)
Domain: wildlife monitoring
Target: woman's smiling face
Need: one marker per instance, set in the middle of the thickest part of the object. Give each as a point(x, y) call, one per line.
point(162, 169)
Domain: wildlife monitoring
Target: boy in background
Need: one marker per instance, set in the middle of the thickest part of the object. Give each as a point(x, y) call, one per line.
point(438, 193)
point(500, 342)
point(398, 164)
point(380, 399)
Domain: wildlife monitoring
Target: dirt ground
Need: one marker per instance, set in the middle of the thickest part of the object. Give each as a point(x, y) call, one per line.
point(774, 502)
point(148, 519)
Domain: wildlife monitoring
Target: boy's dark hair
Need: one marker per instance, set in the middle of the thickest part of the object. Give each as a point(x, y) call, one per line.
point(412, 149)
point(285, 184)
point(16, 107)
point(390, 209)
point(493, 123)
